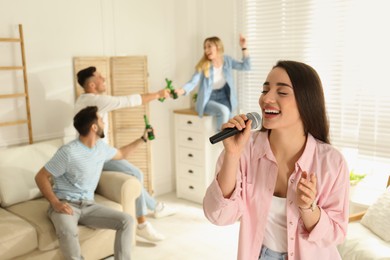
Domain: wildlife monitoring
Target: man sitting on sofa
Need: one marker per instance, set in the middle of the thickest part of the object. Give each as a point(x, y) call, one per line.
point(75, 169)
point(94, 86)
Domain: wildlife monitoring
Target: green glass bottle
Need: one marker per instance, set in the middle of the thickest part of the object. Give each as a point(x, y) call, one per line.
point(171, 90)
point(148, 126)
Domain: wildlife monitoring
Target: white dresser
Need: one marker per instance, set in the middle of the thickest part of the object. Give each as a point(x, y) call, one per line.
point(195, 155)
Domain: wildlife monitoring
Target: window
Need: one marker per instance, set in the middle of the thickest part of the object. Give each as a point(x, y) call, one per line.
point(347, 42)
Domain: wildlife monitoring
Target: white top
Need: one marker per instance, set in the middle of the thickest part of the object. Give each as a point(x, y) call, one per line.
point(275, 235)
point(219, 80)
point(105, 104)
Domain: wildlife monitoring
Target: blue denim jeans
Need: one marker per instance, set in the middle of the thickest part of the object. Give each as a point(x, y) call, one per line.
point(268, 254)
point(90, 214)
point(219, 105)
point(145, 201)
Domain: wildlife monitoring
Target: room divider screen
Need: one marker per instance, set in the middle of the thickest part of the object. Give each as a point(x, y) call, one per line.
point(125, 75)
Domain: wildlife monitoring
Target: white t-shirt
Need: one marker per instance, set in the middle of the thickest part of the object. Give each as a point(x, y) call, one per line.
point(219, 80)
point(275, 235)
point(105, 104)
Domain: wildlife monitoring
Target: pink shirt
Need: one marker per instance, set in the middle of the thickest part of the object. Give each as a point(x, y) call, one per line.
point(251, 200)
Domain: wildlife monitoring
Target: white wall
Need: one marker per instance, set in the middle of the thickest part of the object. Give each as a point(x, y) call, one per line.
point(169, 32)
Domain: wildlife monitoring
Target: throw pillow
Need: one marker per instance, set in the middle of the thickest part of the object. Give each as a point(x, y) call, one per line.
point(377, 217)
point(18, 167)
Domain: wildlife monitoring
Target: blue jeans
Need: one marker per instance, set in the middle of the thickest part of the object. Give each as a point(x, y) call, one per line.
point(90, 214)
point(268, 254)
point(145, 201)
point(219, 105)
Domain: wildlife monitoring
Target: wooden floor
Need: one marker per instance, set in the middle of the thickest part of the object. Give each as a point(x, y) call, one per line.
point(189, 236)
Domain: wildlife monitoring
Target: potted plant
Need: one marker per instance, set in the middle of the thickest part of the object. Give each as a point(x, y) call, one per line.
point(193, 99)
point(355, 178)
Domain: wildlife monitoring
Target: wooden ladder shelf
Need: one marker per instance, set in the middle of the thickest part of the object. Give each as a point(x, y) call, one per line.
point(24, 95)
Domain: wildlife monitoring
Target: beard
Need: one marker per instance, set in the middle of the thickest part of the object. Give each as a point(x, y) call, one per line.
point(100, 132)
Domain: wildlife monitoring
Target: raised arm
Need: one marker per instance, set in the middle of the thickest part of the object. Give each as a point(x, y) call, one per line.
point(190, 85)
point(243, 46)
point(127, 150)
point(233, 148)
point(147, 97)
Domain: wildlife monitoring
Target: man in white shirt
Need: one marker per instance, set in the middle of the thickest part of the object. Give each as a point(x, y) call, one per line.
point(94, 86)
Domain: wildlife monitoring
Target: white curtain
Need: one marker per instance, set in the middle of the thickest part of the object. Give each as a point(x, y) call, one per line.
point(348, 43)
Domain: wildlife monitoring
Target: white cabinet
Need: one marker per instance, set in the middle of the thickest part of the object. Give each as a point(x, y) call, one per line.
point(195, 155)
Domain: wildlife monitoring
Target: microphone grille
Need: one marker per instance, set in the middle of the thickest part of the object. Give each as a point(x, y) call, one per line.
point(256, 119)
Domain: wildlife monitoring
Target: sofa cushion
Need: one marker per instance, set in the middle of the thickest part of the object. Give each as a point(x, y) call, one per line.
point(18, 167)
point(17, 236)
point(377, 217)
point(35, 212)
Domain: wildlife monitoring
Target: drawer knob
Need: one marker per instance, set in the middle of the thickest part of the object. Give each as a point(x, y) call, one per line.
point(191, 187)
point(190, 155)
point(190, 171)
point(189, 122)
point(189, 139)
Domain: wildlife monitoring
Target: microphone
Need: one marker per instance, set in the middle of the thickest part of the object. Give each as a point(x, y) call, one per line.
point(228, 132)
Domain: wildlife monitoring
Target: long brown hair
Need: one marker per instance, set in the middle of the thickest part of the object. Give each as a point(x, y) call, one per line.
point(204, 63)
point(309, 96)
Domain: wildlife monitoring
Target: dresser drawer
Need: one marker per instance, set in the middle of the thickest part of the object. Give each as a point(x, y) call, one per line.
point(190, 139)
point(191, 156)
point(191, 123)
point(194, 155)
point(190, 190)
point(191, 172)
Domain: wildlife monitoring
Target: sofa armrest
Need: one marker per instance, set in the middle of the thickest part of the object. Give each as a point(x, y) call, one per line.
point(121, 188)
point(357, 216)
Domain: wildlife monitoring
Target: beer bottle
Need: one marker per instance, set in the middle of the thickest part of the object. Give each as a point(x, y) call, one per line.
point(148, 126)
point(171, 90)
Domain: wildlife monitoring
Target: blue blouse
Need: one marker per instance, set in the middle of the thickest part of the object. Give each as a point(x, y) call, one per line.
point(206, 84)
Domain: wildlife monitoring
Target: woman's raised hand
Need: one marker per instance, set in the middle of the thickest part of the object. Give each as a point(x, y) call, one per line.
point(242, 41)
point(236, 143)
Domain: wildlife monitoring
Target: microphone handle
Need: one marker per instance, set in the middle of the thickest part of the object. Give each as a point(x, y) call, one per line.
point(225, 133)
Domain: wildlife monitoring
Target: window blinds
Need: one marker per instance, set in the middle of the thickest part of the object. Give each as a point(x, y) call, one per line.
point(347, 42)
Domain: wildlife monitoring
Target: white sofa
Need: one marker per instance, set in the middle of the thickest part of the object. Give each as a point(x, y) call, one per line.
point(368, 234)
point(26, 232)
